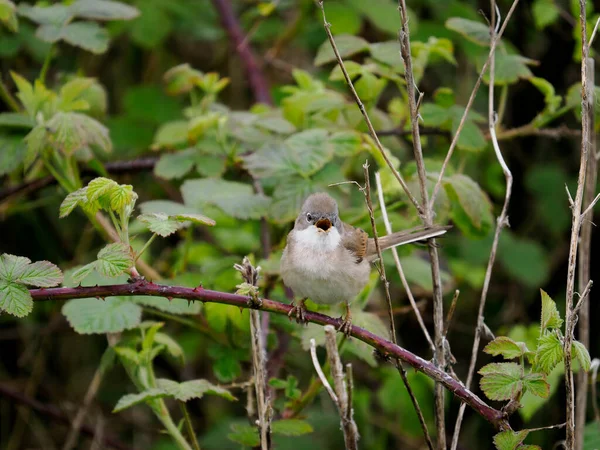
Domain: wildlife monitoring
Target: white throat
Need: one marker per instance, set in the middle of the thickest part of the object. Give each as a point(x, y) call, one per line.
point(314, 239)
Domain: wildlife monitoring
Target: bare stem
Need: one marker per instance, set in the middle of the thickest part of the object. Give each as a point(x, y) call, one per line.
point(501, 221)
point(189, 426)
point(570, 316)
point(143, 287)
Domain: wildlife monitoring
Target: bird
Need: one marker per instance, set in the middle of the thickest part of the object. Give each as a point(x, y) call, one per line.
point(328, 261)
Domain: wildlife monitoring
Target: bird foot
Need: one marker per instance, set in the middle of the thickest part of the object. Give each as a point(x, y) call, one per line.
point(346, 326)
point(298, 311)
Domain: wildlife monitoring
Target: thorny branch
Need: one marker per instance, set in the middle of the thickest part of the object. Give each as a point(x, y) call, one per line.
point(501, 221)
point(388, 348)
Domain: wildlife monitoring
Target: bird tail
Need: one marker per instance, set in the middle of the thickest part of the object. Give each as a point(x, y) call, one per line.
point(405, 237)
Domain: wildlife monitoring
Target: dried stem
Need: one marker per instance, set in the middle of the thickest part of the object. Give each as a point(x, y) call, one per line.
point(363, 111)
point(411, 298)
point(587, 93)
point(427, 217)
point(342, 390)
point(386, 284)
point(388, 348)
point(501, 221)
point(494, 41)
point(320, 373)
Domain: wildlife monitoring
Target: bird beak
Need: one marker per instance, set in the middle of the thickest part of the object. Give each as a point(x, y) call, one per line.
point(323, 225)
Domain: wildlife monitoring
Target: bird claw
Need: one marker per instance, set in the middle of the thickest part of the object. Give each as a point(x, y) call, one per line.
point(298, 311)
point(346, 326)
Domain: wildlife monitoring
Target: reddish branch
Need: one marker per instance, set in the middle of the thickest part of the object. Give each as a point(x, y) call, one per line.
point(256, 78)
point(115, 167)
point(386, 348)
point(55, 413)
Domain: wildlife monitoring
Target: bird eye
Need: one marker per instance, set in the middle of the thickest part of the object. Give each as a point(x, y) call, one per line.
point(309, 217)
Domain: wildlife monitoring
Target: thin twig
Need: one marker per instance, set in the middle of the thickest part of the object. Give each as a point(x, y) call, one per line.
point(586, 130)
point(388, 348)
point(411, 298)
point(321, 375)
point(363, 111)
point(427, 218)
point(386, 284)
point(451, 311)
point(189, 426)
point(594, 33)
point(494, 41)
point(549, 427)
point(590, 206)
point(501, 222)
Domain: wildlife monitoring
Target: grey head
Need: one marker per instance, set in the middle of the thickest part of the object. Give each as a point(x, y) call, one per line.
point(320, 210)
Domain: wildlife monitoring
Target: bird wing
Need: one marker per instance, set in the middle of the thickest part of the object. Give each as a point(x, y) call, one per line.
point(355, 240)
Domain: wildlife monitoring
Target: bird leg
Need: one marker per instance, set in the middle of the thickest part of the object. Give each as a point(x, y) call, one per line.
point(346, 325)
point(299, 311)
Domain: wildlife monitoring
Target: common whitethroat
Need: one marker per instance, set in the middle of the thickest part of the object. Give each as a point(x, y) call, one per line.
point(329, 261)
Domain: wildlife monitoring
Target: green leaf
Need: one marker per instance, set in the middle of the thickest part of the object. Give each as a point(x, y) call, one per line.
point(501, 381)
point(188, 390)
point(94, 316)
point(345, 143)
point(40, 274)
point(87, 35)
point(276, 124)
point(175, 165)
point(309, 151)
point(73, 131)
point(476, 32)
point(122, 196)
point(388, 53)
point(129, 400)
point(291, 427)
point(509, 440)
point(536, 384)
point(509, 69)
point(16, 120)
point(83, 272)
point(347, 45)
point(545, 12)
point(160, 223)
point(197, 219)
point(580, 352)
point(244, 434)
point(8, 15)
point(171, 345)
point(103, 10)
point(550, 315)
point(471, 208)
point(181, 79)
point(271, 160)
point(171, 134)
point(12, 266)
point(100, 187)
point(55, 14)
point(12, 153)
point(504, 346)
point(549, 353)
point(523, 259)
point(129, 354)
point(71, 201)
point(552, 101)
point(174, 306)
point(114, 259)
point(15, 298)
point(235, 199)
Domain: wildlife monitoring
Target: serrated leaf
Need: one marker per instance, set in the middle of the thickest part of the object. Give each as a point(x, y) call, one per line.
point(94, 316)
point(270, 160)
point(171, 345)
point(275, 124)
point(99, 187)
point(11, 266)
point(536, 384)
point(73, 131)
point(245, 435)
point(103, 10)
point(87, 35)
point(471, 208)
point(476, 32)
point(347, 45)
point(188, 390)
point(501, 381)
point(309, 151)
point(504, 346)
point(114, 259)
point(509, 440)
point(15, 298)
point(550, 315)
point(291, 427)
point(195, 219)
point(35, 140)
point(122, 196)
point(509, 69)
point(579, 351)
point(235, 199)
point(83, 272)
point(129, 400)
point(71, 201)
point(171, 134)
point(548, 353)
point(40, 274)
point(160, 223)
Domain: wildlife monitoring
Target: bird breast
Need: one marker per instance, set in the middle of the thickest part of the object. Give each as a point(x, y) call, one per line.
point(316, 265)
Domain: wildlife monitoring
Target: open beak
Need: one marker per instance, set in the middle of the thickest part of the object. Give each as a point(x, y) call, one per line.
point(323, 225)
